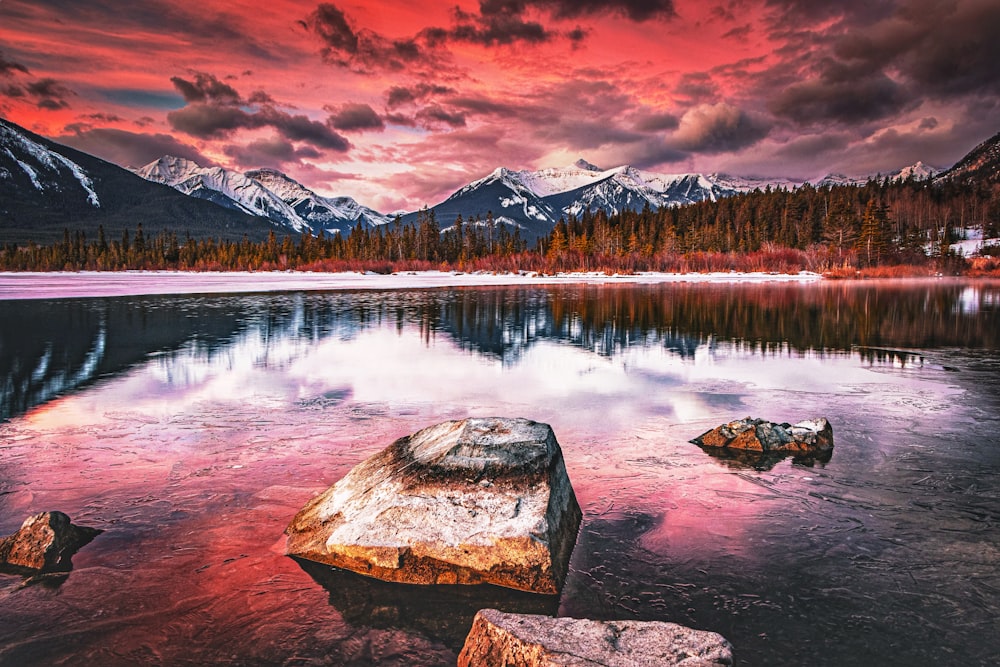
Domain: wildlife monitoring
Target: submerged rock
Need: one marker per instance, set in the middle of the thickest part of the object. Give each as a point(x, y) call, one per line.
point(810, 437)
point(499, 639)
point(463, 502)
point(45, 542)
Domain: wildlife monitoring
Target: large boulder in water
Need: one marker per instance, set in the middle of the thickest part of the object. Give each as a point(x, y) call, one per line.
point(498, 639)
point(46, 541)
point(806, 438)
point(463, 502)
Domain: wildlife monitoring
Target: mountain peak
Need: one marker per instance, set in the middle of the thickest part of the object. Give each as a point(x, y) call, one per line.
point(587, 166)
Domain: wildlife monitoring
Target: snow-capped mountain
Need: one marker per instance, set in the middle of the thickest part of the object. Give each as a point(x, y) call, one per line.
point(917, 171)
point(44, 169)
point(46, 188)
point(263, 192)
point(226, 188)
point(329, 214)
point(534, 201)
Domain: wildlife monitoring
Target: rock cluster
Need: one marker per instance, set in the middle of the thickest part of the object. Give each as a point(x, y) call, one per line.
point(498, 639)
point(810, 437)
point(463, 502)
point(45, 542)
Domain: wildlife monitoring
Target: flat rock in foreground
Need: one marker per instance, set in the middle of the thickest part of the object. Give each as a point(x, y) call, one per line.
point(463, 502)
point(522, 640)
point(45, 541)
point(810, 437)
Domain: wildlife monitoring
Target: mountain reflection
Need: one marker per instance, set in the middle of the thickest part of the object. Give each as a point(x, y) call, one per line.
point(51, 347)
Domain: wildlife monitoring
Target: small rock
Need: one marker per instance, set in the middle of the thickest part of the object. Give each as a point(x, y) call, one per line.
point(45, 542)
point(499, 639)
point(463, 502)
point(810, 437)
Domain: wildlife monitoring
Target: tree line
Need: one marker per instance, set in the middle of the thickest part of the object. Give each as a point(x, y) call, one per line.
point(839, 229)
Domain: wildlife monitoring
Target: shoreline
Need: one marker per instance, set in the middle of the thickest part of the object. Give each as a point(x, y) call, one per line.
point(93, 284)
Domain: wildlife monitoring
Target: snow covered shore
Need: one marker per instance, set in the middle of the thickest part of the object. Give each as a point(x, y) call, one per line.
point(62, 285)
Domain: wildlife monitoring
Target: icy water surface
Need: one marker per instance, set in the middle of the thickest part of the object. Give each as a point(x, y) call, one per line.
point(191, 429)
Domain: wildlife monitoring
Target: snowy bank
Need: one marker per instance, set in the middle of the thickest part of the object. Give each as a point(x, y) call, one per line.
point(62, 285)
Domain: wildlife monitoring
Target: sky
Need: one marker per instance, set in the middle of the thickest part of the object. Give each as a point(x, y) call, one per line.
point(399, 103)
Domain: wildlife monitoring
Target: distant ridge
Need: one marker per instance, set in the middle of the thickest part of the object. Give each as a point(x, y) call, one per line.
point(46, 188)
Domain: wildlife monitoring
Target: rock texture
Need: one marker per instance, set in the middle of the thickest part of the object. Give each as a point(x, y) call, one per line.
point(810, 437)
point(463, 502)
point(46, 541)
point(517, 640)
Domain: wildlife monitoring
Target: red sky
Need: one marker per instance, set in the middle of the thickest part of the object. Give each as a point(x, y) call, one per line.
point(399, 103)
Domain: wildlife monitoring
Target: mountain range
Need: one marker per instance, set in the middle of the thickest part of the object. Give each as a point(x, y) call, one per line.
point(46, 187)
point(263, 192)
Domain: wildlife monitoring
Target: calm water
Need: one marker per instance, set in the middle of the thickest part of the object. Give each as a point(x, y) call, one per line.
point(191, 429)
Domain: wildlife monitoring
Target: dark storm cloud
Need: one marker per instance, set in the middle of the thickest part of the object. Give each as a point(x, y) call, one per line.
point(363, 51)
point(206, 88)
point(207, 121)
point(8, 67)
point(400, 95)
point(877, 60)
point(498, 23)
point(216, 110)
point(400, 119)
point(718, 128)
point(273, 152)
point(944, 47)
point(841, 99)
point(353, 117)
point(635, 10)
point(434, 115)
point(11, 90)
point(49, 94)
point(129, 148)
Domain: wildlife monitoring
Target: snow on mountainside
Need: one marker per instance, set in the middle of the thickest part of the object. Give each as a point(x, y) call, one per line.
point(46, 169)
point(533, 201)
point(263, 192)
point(48, 189)
point(329, 214)
point(918, 172)
point(221, 186)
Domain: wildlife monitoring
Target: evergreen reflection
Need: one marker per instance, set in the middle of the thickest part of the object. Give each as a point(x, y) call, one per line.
point(51, 347)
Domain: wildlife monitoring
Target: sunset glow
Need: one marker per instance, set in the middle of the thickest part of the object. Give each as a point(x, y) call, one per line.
point(399, 103)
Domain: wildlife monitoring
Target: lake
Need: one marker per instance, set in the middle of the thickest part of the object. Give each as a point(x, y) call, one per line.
point(190, 429)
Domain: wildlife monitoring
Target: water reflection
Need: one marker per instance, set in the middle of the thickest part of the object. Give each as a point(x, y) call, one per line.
point(200, 425)
point(49, 348)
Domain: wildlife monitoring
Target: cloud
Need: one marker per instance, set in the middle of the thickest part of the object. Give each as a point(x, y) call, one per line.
point(129, 148)
point(363, 51)
point(206, 88)
point(8, 67)
point(874, 61)
point(216, 110)
point(655, 122)
point(49, 94)
point(435, 116)
point(402, 95)
point(718, 128)
point(634, 10)
point(272, 152)
point(352, 117)
point(500, 22)
point(842, 99)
